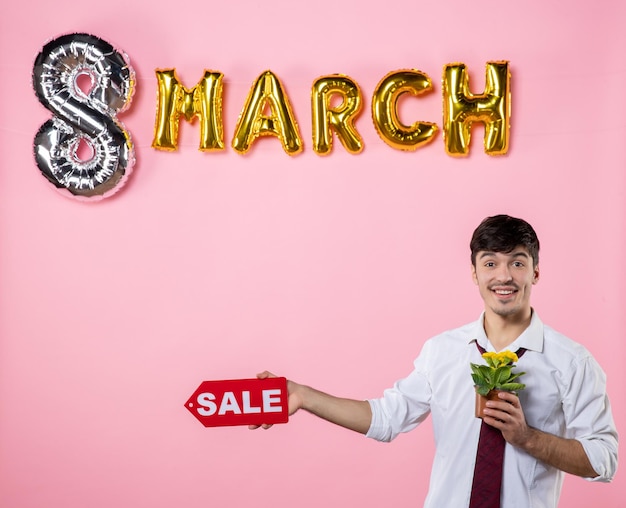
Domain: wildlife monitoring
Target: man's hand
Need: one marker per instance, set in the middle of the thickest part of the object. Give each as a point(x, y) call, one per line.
point(507, 415)
point(294, 400)
point(567, 455)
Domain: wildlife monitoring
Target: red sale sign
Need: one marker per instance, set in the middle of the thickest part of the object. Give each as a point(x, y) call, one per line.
point(240, 402)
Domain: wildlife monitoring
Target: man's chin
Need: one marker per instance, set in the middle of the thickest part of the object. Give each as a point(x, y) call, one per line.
point(506, 310)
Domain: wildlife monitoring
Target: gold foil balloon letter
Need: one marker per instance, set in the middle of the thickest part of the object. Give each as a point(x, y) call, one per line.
point(203, 101)
point(462, 109)
point(267, 112)
point(340, 117)
point(385, 110)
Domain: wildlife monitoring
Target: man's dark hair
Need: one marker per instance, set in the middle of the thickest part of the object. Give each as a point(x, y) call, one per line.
point(502, 233)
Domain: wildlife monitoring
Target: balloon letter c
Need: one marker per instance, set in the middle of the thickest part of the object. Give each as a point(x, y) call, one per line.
point(385, 110)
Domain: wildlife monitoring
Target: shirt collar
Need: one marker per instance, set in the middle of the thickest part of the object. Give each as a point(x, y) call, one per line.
point(531, 338)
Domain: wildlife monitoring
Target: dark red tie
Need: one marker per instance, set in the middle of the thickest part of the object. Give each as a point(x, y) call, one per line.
point(489, 460)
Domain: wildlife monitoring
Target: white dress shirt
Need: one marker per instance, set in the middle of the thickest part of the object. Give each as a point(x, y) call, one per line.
point(565, 395)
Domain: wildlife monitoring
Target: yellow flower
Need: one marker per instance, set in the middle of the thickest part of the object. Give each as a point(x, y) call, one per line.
point(510, 355)
point(501, 358)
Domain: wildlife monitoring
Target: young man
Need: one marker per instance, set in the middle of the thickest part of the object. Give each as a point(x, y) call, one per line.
point(560, 423)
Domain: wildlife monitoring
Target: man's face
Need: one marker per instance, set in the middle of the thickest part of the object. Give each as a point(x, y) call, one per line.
point(505, 280)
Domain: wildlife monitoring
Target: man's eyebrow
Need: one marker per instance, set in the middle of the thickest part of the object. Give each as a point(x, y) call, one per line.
point(517, 254)
point(486, 253)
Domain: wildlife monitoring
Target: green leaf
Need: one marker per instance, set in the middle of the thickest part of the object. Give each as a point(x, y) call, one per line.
point(502, 375)
point(486, 373)
point(516, 375)
point(483, 390)
point(512, 387)
point(475, 368)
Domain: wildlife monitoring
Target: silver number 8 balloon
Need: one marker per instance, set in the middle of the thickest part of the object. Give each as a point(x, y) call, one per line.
point(83, 119)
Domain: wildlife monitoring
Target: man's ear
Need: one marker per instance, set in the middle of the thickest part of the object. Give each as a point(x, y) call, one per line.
point(474, 277)
point(536, 275)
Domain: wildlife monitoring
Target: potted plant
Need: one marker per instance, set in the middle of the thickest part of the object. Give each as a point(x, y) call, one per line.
point(495, 377)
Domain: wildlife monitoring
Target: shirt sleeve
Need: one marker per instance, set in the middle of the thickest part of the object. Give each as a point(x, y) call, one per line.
point(405, 405)
point(589, 418)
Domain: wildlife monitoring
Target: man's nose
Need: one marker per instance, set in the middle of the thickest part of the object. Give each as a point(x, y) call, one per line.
point(504, 273)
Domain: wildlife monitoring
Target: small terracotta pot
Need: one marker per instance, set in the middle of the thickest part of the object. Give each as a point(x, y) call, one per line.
point(481, 401)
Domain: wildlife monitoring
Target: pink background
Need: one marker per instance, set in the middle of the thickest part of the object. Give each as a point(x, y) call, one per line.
point(329, 270)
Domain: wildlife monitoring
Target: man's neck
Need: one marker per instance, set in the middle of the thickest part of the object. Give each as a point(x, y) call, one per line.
point(502, 331)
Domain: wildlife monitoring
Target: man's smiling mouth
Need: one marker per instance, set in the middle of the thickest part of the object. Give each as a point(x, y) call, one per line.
point(504, 292)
